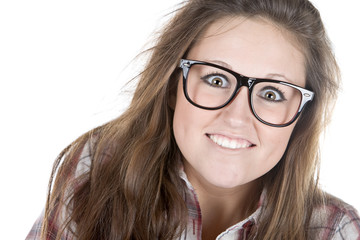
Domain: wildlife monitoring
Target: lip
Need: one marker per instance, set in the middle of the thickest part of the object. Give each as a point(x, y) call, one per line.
point(230, 142)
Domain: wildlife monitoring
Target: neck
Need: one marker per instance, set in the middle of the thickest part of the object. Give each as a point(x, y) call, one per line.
point(223, 207)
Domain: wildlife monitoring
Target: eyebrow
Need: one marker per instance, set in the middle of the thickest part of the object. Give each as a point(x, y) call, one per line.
point(277, 75)
point(221, 63)
point(272, 76)
point(268, 76)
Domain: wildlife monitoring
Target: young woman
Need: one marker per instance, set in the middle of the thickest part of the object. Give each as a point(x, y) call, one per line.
point(221, 138)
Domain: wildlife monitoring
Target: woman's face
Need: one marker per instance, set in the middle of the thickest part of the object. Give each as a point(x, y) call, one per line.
point(254, 48)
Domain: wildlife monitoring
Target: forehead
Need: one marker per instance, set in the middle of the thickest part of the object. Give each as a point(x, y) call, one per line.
point(254, 47)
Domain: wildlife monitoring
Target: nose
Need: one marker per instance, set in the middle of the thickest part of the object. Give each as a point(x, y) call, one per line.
point(238, 111)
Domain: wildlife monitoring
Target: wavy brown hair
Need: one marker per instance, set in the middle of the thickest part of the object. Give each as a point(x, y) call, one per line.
point(132, 189)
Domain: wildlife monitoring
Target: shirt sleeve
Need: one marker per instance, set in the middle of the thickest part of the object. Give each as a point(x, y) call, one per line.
point(53, 229)
point(348, 227)
point(56, 221)
point(335, 220)
point(35, 232)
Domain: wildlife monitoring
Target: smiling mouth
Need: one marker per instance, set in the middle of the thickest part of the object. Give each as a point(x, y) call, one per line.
point(230, 143)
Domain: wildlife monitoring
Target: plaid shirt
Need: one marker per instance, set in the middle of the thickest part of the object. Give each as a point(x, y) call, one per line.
point(335, 221)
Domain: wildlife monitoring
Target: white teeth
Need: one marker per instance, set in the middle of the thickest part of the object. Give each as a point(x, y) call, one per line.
point(229, 143)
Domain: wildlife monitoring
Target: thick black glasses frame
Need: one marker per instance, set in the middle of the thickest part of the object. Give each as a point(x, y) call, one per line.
point(248, 82)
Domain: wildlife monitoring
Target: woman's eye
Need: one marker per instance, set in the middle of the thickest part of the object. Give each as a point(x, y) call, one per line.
point(216, 81)
point(272, 94)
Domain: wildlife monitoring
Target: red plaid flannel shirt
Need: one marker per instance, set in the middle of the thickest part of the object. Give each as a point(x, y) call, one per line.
point(335, 221)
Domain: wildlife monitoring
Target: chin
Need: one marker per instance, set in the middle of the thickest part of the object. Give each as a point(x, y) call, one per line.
point(228, 182)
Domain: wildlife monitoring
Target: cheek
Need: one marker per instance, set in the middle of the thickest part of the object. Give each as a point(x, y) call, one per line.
point(183, 122)
point(182, 114)
point(180, 123)
point(275, 141)
point(186, 116)
point(188, 125)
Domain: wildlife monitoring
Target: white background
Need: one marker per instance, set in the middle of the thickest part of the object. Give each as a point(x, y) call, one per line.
point(62, 68)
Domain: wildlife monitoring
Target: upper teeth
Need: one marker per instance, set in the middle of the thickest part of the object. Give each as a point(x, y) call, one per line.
point(229, 143)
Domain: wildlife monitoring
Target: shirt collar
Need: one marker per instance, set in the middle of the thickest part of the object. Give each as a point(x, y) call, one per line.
point(194, 226)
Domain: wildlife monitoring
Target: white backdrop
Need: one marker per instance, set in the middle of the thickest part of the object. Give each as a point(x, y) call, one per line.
point(62, 68)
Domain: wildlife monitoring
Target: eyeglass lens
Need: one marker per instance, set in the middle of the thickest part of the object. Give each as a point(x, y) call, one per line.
point(212, 87)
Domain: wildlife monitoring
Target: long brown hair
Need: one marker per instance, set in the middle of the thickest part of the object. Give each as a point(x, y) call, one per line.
point(132, 189)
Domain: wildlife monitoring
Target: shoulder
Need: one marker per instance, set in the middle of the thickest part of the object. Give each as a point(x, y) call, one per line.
point(76, 160)
point(335, 219)
point(67, 180)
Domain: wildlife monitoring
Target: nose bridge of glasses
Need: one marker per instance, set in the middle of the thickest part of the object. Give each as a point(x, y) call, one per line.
point(243, 81)
point(239, 105)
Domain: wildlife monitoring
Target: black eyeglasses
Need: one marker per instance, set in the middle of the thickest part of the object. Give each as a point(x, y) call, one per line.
point(211, 87)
